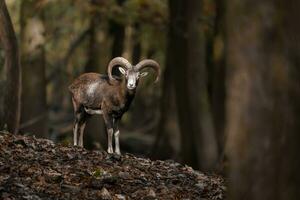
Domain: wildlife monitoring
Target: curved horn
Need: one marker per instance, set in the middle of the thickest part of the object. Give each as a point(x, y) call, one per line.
point(149, 63)
point(117, 61)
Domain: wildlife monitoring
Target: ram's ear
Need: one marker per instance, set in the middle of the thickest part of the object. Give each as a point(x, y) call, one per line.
point(143, 74)
point(122, 70)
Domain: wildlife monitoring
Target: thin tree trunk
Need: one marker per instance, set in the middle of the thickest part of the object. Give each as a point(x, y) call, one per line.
point(263, 99)
point(219, 75)
point(162, 148)
point(137, 47)
point(95, 132)
point(12, 93)
point(186, 40)
point(92, 64)
point(117, 31)
point(34, 76)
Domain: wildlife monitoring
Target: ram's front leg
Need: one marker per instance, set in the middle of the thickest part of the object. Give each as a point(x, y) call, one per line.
point(108, 119)
point(117, 134)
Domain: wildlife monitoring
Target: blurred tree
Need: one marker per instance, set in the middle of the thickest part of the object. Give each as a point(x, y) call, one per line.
point(187, 43)
point(162, 148)
point(34, 108)
point(263, 99)
point(136, 47)
point(219, 74)
point(93, 61)
point(95, 130)
point(117, 32)
point(12, 91)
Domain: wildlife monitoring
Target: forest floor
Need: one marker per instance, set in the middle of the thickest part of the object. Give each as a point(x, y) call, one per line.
point(36, 169)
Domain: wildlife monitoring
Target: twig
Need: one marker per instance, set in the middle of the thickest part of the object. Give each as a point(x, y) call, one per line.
point(32, 121)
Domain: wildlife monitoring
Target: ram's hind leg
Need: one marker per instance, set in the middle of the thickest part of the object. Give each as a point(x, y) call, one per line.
point(82, 124)
point(109, 126)
point(76, 107)
point(75, 133)
point(79, 123)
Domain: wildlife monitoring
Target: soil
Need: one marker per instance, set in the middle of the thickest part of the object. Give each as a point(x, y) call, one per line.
point(34, 169)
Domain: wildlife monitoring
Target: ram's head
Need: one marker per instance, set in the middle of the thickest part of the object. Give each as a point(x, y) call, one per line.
point(132, 73)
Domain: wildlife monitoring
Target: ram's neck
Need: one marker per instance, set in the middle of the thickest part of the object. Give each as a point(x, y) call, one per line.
point(128, 94)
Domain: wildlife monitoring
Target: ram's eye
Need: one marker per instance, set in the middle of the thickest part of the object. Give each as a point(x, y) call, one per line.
point(143, 74)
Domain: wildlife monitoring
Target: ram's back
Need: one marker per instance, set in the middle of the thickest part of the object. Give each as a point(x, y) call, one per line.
point(90, 89)
point(85, 89)
point(85, 80)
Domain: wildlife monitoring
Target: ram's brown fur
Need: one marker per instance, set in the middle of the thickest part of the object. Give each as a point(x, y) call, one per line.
point(108, 95)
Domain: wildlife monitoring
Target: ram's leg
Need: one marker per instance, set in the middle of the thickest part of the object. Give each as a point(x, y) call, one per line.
point(75, 133)
point(117, 134)
point(110, 133)
point(79, 127)
point(77, 114)
point(83, 118)
point(109, 126)
point(81, 131)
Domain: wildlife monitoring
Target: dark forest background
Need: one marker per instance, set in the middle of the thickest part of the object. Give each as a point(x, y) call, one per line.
point(228, 100)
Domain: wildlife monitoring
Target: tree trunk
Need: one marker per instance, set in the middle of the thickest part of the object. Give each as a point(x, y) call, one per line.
point(162, 148)
point(136, 47)
point(92, 64)
point(95, 132)
point(186, 40)
point(263, 99)
point(117, 31)
point(219, 76)
point(12, 92)
point(34, 108)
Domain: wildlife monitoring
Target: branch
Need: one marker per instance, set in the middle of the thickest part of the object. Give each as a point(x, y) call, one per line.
point(32, 121)
point(74, 44)
point(65, 60)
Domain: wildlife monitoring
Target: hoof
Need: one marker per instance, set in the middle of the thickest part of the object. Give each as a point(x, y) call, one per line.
point(110, 151)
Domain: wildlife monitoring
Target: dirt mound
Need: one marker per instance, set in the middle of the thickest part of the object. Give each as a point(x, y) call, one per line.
point(35, 169)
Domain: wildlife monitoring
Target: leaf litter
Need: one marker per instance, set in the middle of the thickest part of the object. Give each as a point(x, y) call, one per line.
point(35, 169)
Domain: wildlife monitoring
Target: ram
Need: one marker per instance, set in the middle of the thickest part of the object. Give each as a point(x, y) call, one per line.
point(108, 95)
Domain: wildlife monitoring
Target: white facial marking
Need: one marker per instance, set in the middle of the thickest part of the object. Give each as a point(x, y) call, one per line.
point(91, 89)
point(131, 82)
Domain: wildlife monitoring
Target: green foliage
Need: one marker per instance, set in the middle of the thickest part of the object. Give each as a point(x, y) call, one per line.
point(99, 172)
